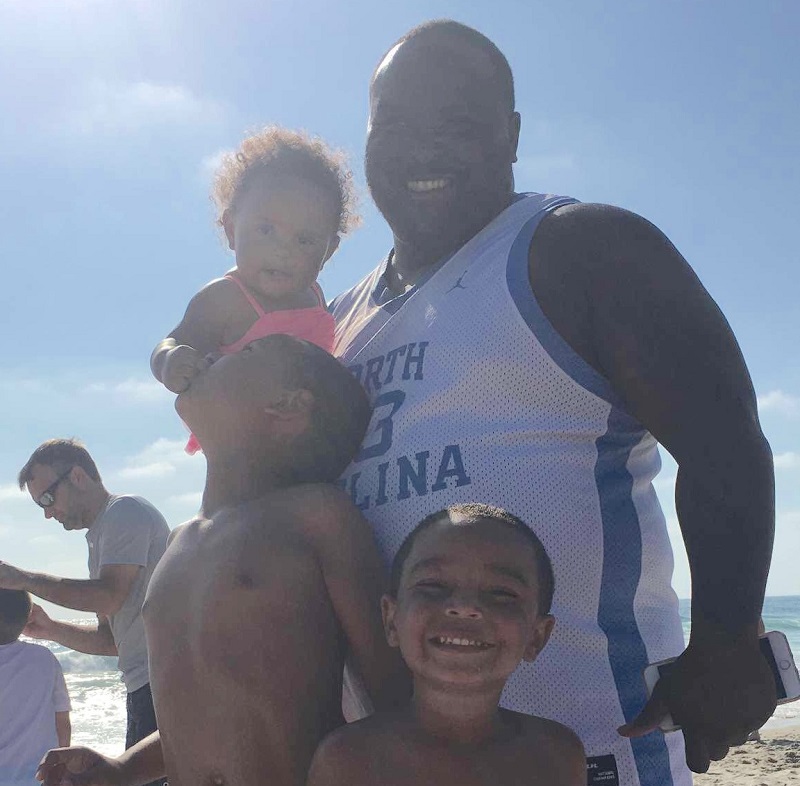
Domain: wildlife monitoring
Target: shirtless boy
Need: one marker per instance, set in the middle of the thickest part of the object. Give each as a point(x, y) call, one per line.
point(253, 605)
point(470, 594)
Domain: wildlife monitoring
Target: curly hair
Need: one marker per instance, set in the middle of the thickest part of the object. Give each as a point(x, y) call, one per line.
point(278, 150)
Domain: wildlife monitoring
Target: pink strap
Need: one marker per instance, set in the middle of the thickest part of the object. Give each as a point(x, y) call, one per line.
point(250, 299)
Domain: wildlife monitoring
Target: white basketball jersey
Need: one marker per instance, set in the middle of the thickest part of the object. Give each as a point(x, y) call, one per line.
point(478, 399)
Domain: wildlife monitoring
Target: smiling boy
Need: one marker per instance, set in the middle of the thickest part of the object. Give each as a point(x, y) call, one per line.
point(470, 597)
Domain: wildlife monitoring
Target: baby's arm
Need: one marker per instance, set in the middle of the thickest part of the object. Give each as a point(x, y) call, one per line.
point(181, 355)
point(355, 579)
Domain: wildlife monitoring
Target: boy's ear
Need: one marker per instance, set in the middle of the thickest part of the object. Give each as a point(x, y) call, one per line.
point(388, 608)
point(333, 244)
point(540, 634)
point(290, 404)
point(227, 225)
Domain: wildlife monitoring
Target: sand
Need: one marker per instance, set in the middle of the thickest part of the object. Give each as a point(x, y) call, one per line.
point(775, 761)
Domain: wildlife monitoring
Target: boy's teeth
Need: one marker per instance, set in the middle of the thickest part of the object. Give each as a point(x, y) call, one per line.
point(462, 642)
point(426, 185)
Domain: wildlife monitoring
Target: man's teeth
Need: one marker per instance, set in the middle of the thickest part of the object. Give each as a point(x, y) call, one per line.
point(426, 185)
point(461, 642)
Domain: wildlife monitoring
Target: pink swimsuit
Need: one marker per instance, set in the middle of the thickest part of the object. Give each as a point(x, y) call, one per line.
point(314, 324)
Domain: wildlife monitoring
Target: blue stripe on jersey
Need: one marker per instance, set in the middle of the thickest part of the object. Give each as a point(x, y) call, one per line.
point(519, 286)
point(622, 565)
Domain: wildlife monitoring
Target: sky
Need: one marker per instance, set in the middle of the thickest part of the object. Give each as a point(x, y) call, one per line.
point(114, 113)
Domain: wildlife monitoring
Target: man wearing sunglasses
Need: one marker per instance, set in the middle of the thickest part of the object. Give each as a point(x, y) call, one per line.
point(126, 537)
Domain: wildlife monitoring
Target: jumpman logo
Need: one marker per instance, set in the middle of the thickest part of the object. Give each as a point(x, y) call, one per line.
point(458, 284)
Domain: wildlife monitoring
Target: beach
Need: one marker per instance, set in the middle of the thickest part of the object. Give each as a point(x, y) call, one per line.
point(775, 761)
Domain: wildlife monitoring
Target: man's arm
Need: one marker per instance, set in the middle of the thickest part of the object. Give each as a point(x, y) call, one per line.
point(355, 579)
point(623, 297)
point(103, 595)
point(140, 764)
point(91, 639)
point(63, 729)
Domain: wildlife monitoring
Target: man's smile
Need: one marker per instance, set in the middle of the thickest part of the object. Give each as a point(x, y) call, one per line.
point(426, 186)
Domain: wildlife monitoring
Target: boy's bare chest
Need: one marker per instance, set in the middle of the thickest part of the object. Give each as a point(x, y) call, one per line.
point(507, 765)
point(210, 580)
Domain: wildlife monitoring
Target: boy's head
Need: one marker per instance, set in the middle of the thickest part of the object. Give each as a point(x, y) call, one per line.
point(15, 608)
point(282, 402)
point(471, 589)
point(283, 199)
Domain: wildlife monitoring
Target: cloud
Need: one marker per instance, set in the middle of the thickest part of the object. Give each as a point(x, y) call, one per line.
point(781, 402)
point(157, 469)
point(788, 518)
point(788, 460)
point(160, 458)
point(210, 164)
point(10, 491)
point(45, 540)
point(190, 500)
point(105, 108)
point(132, 391)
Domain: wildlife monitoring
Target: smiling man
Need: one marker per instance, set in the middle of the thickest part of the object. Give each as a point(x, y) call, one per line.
point(126, 537)
point(527, 351)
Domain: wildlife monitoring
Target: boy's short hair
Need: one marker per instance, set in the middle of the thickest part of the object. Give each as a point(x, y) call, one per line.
point(339, 417)
point(282, 151)
point(471, 512)
point(60, 455)
point(15, 608)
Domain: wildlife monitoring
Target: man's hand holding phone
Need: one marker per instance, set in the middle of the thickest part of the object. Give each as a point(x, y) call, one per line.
point(718, 691)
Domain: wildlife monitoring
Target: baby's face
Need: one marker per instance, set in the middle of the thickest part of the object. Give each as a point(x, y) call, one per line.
point(282, 230)
point(466, 612)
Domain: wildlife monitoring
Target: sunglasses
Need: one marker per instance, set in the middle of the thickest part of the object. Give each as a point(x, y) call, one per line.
point(48, 496)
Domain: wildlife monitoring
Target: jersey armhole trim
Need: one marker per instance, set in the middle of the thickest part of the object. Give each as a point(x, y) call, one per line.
point(519, 287)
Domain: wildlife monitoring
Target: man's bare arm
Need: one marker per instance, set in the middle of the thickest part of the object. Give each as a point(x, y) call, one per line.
point(63, 729)
point(140, 764)
point(355, 578)
point(624, 298)
point(103, 595)
point(91, 639)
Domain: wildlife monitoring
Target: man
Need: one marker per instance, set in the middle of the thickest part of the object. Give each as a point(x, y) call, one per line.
point(258, 598)
point(126, 537)
point(527, 352)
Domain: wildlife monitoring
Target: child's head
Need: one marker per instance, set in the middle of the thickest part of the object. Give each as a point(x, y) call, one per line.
point(15, 608)
point(471, 589)
point(283, 199)
point(283, 402)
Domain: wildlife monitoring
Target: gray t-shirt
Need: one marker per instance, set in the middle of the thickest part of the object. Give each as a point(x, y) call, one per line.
point(130, 531)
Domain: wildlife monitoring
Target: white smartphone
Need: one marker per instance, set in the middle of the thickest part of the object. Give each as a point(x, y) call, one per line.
point(775, 649)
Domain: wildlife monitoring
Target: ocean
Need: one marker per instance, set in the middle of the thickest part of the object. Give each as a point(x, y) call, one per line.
point(98, 696)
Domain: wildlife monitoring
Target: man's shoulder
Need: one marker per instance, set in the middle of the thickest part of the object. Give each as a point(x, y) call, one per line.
point(583, 231)
point(132, 508)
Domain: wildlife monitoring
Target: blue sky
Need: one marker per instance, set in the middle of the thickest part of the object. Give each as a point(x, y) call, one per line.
point(114, 112)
